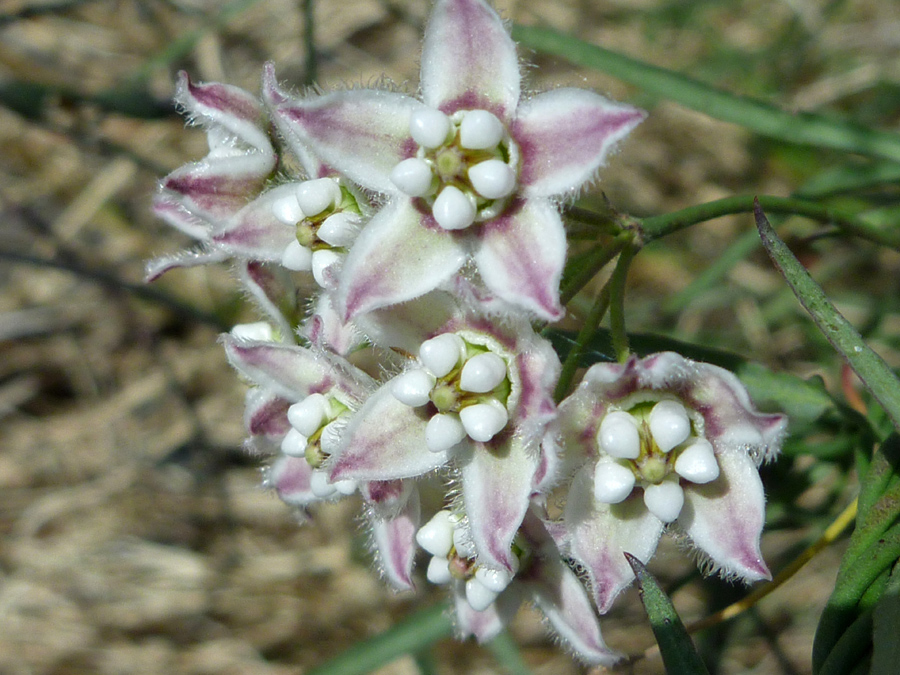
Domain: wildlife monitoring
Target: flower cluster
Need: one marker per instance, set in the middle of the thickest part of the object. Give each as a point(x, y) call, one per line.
point(430, 228)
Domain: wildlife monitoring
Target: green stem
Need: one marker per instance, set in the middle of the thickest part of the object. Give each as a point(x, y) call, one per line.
point(617, 306)
point(659, 226)
point(588, 329)
point(598, 259)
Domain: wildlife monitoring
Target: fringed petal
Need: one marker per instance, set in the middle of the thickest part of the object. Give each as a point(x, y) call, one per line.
point(600, 535)
point(521, 256)
point(565, 136)
point(725, 518)
point(469, 60)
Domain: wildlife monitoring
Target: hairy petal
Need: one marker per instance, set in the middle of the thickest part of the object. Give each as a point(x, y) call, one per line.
point(254, 231)
point(565, 135)
point(725, 518)
point(469, 60)
point(483, 626)
point(265, 414)
point(521, 257)
point(273, 291)
point(372, 276)
point(290, 478)
point(384, 440)
point(295, 372)
point(601, 534)
point(497, 479)
point(395, 541)
point(362, 133)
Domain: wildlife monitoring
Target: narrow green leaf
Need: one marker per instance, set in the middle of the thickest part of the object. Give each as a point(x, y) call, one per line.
point(406, 637)
point(871, 368)
point(508, 655)
point(765, 119)
point(886, 633)
point(803, 401)
point(678, 652)
point(874, 549)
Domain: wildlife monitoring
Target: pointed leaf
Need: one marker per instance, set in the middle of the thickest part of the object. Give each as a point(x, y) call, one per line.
point(678, 652)
point(875, 374)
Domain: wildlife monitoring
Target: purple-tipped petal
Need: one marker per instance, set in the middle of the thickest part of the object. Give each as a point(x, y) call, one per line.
point(266, 414)
point(372, 278)
point(560, 596)
point(395, 542)
point(172, 209)
point(155, 268)
point(483, 626)
point(469, 60)
point(521, 257)
point(565, 135)
point(384, 440)
point(601, 534)
point(325, 328)
point(294, 372)
point(291, 478)
point(725, 518)
point(362, 133)
point(497, 479)
point(237, 112)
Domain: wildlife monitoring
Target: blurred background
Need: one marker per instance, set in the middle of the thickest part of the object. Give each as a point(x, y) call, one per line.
point(134, 536)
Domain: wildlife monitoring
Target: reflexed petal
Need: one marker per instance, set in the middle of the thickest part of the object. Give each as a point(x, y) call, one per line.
point(496, 482)
point(521, 257)
point(155, 268)
point(725, 518)
point(273, 290)
point(395, 542)
point(229, 107)
point(327, 330)
point(254, 231)
point(291, 478)
point(561, 597)
point(266, 414)
point(362, 133)
point(406, 325)
point(601, 534)
point(294, 372)
point(384, 440)
point(216, 188)
point(395, 259)
point(565, 135)
point(483, 626)
point(172, 209)
point(469, 60)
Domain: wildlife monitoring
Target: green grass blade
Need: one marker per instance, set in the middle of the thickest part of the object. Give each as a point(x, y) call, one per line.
point(869, 366)
point(764, 119)
point(678, 652)
point(406, 637)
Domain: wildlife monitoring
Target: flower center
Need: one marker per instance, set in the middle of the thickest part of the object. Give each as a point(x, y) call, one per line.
point(467, 384)
point(313, 436)
point(454, 558)
point(465, 168)
point(657, 446)
point(327, 217)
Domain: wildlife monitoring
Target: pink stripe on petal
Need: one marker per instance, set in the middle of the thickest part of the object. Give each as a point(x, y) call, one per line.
point(521, 257)
point(496, 484)
point(725, 518)
point(601, 534)
point(565, 136)
point(372, 276)
point(384, 440)
point(469, 60)
point(290, 477)
point(483, 626)
point(362, 133)
point(395, 540)
point(254, 231)
point(266, 415)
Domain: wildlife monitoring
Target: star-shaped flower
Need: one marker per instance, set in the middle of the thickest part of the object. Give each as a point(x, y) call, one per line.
point(657, 441)
point(470, 171)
